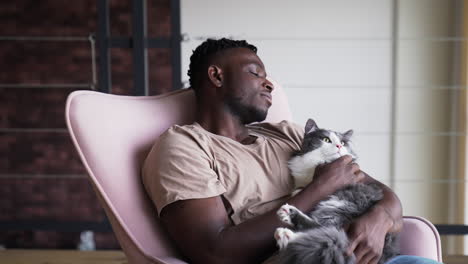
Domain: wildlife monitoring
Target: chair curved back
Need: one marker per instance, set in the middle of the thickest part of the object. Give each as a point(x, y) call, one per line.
point(419, 237)
point(113, 135)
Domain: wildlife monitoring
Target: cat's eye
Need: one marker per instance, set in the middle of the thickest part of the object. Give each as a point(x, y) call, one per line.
point(327, 140)
point(342, 143)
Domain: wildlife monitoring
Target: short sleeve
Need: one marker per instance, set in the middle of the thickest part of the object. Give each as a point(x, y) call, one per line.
point(292, 133)
point(179, 167)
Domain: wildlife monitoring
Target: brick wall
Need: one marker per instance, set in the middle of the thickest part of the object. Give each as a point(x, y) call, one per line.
point(41, 176)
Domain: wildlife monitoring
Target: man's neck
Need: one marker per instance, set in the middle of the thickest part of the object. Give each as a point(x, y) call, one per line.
point(223, 123)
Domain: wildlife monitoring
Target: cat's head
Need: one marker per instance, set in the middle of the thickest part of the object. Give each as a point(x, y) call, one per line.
point(330, 144)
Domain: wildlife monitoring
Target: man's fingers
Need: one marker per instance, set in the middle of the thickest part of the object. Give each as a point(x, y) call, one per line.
point(366, 259)
point(375, 260)
point(355, 167)
point(359, 176)
point(352, 246)
point(360, 252)
point(345, 159)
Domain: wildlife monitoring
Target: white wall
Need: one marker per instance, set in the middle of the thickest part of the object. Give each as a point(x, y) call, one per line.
point(334, 60)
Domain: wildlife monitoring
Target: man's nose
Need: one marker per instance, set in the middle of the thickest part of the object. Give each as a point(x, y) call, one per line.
point(269, 85)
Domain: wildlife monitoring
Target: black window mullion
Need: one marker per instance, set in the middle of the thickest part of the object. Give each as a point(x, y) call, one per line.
point(103, 39)
point(140, 52)
point(175, 45)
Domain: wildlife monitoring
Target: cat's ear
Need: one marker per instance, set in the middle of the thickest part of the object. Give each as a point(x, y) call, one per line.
point(310, 126)
point(348, 134)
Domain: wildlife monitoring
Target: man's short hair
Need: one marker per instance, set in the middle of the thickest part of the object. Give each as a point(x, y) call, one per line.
point(206, 51)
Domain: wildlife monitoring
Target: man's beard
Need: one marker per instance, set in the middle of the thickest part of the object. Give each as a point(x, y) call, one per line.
point(246, 113)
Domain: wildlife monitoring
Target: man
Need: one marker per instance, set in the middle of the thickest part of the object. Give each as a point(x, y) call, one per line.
point(218, 182)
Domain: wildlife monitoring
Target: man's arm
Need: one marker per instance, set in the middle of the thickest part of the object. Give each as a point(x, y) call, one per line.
point(203, 231)
point(390, 205)
point(205, 234)
point(367, 233)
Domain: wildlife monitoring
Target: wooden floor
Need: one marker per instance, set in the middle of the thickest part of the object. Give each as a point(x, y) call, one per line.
point(455, 259)
point(13, 256)
point(17, 256)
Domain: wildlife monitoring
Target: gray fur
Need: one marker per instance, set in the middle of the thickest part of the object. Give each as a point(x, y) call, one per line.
point(321, 238)
point(318, 246)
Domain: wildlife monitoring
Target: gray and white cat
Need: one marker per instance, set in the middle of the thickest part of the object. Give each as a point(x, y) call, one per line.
point(318, 237)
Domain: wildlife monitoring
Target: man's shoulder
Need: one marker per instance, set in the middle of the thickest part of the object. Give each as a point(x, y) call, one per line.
point(284, 127)
point(180, 138)
point(176, 141)
point(285, 131)
point(180, 132)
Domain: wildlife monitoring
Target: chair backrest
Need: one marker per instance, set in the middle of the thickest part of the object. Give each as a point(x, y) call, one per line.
point(113, 135)
point(419, 237)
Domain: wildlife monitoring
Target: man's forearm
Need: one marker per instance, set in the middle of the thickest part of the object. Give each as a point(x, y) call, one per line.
point(249, 242)
point(389, 205)
point(392, 207)
point(254, 238)
point(203, 231)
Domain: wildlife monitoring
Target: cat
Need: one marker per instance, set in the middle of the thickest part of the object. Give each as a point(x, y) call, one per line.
point(318, 237)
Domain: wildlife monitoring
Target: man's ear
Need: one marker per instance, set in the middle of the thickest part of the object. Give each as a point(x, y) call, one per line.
point(216, 75)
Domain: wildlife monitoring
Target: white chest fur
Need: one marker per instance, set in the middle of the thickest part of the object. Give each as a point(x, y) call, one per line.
point(303, 167)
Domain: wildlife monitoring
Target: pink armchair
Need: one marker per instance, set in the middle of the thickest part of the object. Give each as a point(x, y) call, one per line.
point(114, 133)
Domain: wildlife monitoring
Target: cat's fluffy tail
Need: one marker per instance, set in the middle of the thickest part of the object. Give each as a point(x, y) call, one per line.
point(325, 245)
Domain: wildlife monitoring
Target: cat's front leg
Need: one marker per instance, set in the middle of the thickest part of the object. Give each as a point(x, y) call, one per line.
point(294, 217)
point(286, 213)
point(283, 236)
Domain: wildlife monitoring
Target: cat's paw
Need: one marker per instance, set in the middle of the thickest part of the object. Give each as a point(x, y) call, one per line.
point(283, 236)
point(285, 212)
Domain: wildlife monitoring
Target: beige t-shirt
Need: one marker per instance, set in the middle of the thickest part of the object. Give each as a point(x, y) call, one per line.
point(188, 162)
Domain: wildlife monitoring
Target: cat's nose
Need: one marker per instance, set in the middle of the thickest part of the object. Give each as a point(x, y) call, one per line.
point(338, 146)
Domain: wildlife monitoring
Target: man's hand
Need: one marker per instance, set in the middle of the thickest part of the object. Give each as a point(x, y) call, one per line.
point(328, 178)
point(337, 174)
point(367, 235)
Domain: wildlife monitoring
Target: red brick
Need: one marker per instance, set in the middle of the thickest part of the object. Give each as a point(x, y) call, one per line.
point(38, 153)
point(120, 18)
point(45, 62)
point(33, 108)
point(122, 71)
point(159, 18)
point(160, 71)
point(48, 17)
point(58, 199)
